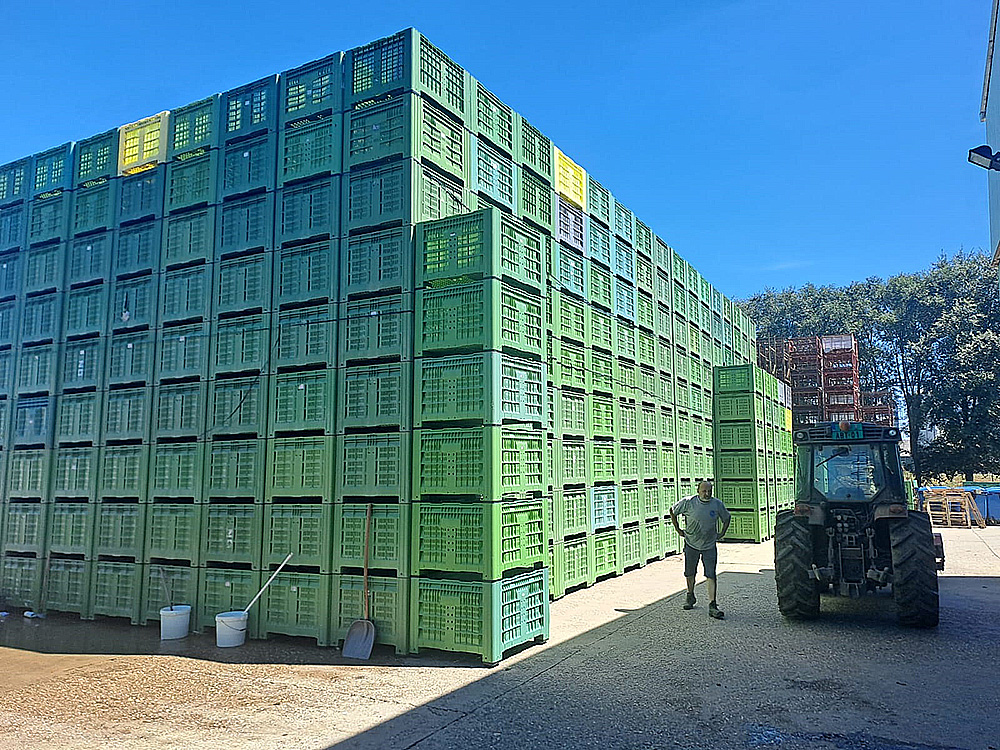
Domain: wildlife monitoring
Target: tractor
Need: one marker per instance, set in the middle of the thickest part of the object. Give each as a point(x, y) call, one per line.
point(850, 531)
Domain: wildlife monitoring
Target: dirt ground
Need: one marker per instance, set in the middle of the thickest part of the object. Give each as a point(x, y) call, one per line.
point(625, 668)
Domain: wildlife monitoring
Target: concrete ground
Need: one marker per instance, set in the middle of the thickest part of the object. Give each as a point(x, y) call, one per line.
point(625, 668)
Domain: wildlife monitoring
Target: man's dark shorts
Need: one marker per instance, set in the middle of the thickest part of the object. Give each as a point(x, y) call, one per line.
point(709, 558)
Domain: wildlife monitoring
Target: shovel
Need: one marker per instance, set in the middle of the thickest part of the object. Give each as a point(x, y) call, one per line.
point(361, 635)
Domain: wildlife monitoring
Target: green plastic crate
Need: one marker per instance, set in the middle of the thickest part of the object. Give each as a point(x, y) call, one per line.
point(490, 387)
point(304, 530)
point(370, 396)
point(748, 525)
point(226, 590)
point(375, 328)
point(232, 533)
point(244, 283)
point(305, 273)
point(482, 315)
point(374, 466)
point(629, 504)
point(406, 125)
point(742, 494)
point(569, 364)
point(300, 467)
point(536, 200)
point(388, 601)
point(24, 527)
point(652, 500)
point(127, 416)
point(119, 529)
point(479, 618)
point(297, 604)
point(487, 243)
point(487, 539)
point(310, 146)
point(743, 436)
point(557, 589)
point(377, 261)
point(28, 473)
point(577, 566)
point(116, 589)
point(177, 470)
point(389, 536)
point(652, 539)
point(571, 316)
point(21, 581)
point(131, 356)
point(602, 460)
point(235, 469)
point(673, 542)
point(600, 367)
point(627, 419)
point(192, 179)
point(739, 378)
point(67, 587)
point(631, 547)
point(484, 462)
point(628, 461)
point(605, 553)
point(602, 416)
point(243, 344)
point(194, 126)
point(164, 585)
point(571, 512)
point(740, 465)
point(173, 531)
point(71, 528)
point(237, 406)
point(303, 401)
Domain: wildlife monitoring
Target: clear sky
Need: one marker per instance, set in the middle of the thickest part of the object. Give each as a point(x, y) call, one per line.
point(772, 142)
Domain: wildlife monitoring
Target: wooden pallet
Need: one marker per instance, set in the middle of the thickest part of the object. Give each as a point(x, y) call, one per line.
point(954, 508)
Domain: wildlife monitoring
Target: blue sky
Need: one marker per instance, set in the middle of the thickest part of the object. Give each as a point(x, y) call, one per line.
point(772, 142)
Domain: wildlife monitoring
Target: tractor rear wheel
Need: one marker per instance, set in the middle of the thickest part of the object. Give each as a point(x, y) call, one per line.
point(798, 594)
point(914, 571)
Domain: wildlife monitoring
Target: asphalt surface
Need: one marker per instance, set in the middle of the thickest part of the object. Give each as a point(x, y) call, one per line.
point(625, 668)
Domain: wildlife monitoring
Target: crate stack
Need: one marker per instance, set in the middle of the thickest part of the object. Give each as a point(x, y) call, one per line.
point(753, 448)
point(841, 382)
point(230, 329)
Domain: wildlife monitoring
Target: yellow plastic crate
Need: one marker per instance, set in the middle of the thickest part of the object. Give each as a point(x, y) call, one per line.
point(571, 180)
point(143, 144)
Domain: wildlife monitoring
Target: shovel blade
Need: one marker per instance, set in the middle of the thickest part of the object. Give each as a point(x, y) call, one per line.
point(359, 640)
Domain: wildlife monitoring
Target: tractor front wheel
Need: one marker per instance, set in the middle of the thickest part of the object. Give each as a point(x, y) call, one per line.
point(798, 594)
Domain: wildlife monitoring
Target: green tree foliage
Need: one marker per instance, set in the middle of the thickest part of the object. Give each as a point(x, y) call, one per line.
point(932, 337)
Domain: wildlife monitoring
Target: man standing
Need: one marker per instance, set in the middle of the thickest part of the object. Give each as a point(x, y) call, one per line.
point(702, 514)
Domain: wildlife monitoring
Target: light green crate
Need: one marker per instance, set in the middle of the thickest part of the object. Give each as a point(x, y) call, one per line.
point(631, 547)
point(605, 553)
point(117, 589)
point(67, 586)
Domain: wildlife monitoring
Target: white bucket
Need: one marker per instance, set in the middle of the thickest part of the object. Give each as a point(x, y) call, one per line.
point(174, 623)
point(230, 629)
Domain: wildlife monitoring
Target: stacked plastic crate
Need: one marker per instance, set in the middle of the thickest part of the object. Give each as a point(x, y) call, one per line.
point(752, 442)
point(478, 516)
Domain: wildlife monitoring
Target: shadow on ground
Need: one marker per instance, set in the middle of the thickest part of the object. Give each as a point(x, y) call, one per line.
point(662, 678)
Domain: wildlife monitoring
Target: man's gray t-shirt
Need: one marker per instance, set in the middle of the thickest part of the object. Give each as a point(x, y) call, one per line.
point(701, 520)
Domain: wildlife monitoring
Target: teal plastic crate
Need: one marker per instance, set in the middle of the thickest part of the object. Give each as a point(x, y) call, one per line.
point(488, 387)
point(71, 528)
point(305, 530)
point(376, 328)
point(243, 345)
point(96, 158)
point(116, 589)
point(486, 243)
point(192, 179)
point(86, 310)
point(232, 533)
point(487, 314)
point(194, 126)
point(308, 210)
point(43, 269)
point(24, 527)
point(75, 473)
point(389, 537)
point(245, 223)
point(388, 602)
point(173, 531)
point(297, 604)
point(409, 126)
point(127, 414)
point(33, 418)
point(225, 590)
point(234, 469)
point(21, 581)
point(49, 217)
point(486, 539)
point(483, 462)
point(131, 357)
point(479, 618)
point(632, 550)
point(95, 205)
point(67, 586)
point(249, 165)
point(300, 467)
point(243, 283)
point(371, 396)
point(603, 507)
point(605, 553)
point(164, 585)
point(303, 400)
point(310, 89)
point(374, 466)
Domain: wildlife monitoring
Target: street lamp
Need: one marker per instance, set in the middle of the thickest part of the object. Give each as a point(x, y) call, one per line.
point(983, 156)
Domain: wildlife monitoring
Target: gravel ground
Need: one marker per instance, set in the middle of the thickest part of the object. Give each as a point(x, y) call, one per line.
point(625, 668)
